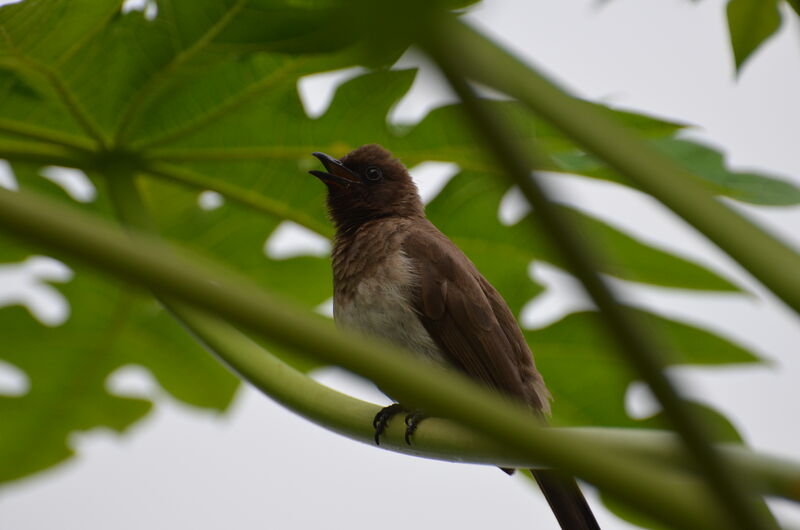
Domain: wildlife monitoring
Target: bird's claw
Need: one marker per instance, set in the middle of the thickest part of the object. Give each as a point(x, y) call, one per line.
point(382, 418)
point(413, 419)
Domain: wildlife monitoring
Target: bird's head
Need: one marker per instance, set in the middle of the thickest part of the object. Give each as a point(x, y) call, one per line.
point(367, 184)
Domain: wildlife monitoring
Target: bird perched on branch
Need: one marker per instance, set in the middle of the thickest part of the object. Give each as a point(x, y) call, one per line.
point(397, 277)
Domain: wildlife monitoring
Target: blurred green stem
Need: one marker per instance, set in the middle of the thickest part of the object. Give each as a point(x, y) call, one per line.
point(46, 154)
point(26, 130)
point(638, 348)
point(669, 496)
point(766, 258)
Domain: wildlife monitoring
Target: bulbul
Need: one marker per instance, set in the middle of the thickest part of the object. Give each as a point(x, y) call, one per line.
point(397, 277)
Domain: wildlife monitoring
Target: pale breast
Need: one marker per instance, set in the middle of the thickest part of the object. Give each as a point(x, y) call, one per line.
point(379, 304)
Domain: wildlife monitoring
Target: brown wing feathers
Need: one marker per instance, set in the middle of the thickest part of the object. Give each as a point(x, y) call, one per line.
point(455, 310)
point(476, 331)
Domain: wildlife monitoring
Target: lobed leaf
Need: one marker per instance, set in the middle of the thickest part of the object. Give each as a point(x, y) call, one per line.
point(575, 353)
point(205, 97)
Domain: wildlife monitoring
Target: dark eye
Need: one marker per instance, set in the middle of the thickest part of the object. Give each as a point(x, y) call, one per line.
point(373, 173)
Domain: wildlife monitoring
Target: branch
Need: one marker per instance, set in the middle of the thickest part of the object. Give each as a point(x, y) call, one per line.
point(765, 257)
point(667, 496)
point(283, 383)
point(442, 439)
point(641, 351)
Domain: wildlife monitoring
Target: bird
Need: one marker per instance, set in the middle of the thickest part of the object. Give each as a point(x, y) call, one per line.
point(398, 278)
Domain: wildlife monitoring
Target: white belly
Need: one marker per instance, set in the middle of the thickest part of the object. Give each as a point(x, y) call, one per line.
point(380, 307)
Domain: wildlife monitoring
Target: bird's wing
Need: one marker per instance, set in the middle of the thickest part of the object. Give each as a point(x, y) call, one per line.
point(469, 320)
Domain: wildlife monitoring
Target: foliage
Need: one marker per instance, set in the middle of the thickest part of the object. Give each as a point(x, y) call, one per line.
point(204, 97)
point(751, 22)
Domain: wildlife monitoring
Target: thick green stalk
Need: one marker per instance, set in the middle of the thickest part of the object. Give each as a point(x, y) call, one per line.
point(227, 343)
point(640, 350)
point(291, 388)
point(442, 439)
point(671, 498)
point(766, 258)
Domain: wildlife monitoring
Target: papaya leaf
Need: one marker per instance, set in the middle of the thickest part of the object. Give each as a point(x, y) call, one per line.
point(576, 352)
point(204, 97)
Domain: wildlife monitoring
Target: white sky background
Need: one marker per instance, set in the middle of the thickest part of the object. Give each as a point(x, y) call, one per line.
point(262, 467)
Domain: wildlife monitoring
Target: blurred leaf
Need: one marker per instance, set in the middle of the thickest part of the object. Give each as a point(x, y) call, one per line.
point(750, 23)
point(703, 161)
point(467, 211)
point(575, 353)
point(746, 187)
point(446, 136)
point(69, 365)
point(110, 326)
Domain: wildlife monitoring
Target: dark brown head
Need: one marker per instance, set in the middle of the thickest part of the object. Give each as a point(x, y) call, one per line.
point(367, 184)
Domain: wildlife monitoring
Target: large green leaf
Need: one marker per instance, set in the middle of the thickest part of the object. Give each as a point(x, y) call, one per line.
point(202, 97)
point(68, 365)
point(110, 326)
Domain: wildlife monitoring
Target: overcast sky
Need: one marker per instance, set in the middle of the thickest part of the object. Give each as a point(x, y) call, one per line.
point(262, 467)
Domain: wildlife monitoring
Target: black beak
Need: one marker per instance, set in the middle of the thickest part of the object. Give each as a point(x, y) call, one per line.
point(337, 173)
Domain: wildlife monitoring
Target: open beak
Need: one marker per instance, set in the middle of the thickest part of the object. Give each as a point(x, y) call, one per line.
point(336, 172)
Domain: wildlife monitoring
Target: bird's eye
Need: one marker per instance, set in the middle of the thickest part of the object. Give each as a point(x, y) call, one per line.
point(373, 173)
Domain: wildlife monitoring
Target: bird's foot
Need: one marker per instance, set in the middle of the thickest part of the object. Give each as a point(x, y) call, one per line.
point(382, 418)
point(413, 419)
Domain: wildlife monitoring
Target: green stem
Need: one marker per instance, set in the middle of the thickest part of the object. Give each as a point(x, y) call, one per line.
point(242, 196)
point(794, 4)
point(768, 475)
point(46, 154)
point(33, 132)
point(201, 154)
point(669, 497)
point(639, 349)
point(442, 439)
point(766, 258)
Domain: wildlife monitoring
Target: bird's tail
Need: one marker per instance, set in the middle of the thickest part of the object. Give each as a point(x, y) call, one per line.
point(566, 500)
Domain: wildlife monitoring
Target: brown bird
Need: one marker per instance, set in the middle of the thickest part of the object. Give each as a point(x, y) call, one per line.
point(397, 277)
